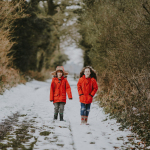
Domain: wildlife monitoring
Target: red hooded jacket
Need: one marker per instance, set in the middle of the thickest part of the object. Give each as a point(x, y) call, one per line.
point(87, 87)
point(58, 90)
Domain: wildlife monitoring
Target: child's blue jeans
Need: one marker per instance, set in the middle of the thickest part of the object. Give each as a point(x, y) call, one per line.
point(85, 109)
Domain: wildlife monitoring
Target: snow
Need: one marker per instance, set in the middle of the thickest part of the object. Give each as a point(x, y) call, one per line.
point(32, 100)
point(73, 7)
point(70, 22)
point(75, 54)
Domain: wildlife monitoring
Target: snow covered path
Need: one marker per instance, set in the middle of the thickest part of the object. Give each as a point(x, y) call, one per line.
point(34, 128)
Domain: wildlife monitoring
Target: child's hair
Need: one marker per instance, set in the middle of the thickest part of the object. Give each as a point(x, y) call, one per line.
point(93, 72)
point(55, 76)
point(61, 71)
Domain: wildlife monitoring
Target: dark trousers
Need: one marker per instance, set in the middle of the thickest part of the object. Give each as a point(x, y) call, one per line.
point(85, 109)
point(59, 107)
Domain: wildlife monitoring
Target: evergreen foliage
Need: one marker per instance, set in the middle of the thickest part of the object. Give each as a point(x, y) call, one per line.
point(59, 59)
point(35, 40)
point(29, 36)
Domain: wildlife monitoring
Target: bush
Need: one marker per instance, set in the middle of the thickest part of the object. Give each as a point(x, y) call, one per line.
point(117, 33)
point(59, 59)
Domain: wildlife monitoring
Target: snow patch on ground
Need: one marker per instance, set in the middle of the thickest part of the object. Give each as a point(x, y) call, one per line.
point(32, 101)
point(73, 7)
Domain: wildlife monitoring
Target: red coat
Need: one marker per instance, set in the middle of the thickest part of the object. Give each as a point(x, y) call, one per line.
point(87, 87)
point(58, 90)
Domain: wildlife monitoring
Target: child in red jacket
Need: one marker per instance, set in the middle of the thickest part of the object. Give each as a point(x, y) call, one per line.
point(87, 87)
point(58, 89)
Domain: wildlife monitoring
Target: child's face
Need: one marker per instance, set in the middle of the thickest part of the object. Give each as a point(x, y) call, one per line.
point(87, 72)
point(59, 74)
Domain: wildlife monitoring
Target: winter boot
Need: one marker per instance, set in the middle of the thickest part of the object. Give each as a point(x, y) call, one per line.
point(82, 120)
point(86, 119)
point(55, 116)
point(61, 117)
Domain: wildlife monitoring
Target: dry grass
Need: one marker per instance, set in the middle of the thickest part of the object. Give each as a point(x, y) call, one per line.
point(40, 76)
point(9, 76)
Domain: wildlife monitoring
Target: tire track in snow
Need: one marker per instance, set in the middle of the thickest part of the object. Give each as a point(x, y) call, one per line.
point(72, 136)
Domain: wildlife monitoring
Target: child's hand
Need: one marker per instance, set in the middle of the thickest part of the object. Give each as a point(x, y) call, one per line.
point(51, 100)
point(70, 98)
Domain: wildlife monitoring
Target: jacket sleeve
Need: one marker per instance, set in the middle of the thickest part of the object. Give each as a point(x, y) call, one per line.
point(52, 91)
point(95, 87)
point(79, 87)
point(68, 90)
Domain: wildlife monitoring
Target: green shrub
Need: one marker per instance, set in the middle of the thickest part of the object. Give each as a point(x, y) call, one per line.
point(116, 36)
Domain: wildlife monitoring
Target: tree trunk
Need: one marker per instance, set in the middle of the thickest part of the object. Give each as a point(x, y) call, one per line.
point(51, 7)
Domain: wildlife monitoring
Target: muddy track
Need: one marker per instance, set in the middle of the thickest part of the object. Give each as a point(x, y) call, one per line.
point(16, 134)
point(7, 125)
point(18, 131)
